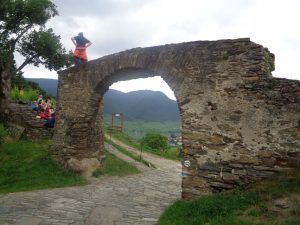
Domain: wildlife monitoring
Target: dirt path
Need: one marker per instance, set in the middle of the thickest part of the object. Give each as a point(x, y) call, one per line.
point(159, 162)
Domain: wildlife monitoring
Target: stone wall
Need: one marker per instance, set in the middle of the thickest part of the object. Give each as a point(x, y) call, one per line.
point(239, 124)
point(249, 133)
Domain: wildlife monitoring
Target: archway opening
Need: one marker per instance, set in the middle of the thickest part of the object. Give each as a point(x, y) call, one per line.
point(139, 108)
point(145, 105)
point(145, 112)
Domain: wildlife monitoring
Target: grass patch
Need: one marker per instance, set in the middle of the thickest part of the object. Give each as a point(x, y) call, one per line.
point(3, 133)
point(114, 166)
point(171, 153)
point(126, 139)
point(247, 205)
point(138, 158)
point(27, 165)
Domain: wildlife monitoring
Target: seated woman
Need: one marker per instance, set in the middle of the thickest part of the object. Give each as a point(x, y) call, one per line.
point(50, 121)
point(45, 104)
point(40, 106)
point(40, 98)
point(34, 105)
point(47, 113)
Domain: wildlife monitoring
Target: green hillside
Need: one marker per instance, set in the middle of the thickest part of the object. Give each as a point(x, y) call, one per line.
point(137, 129)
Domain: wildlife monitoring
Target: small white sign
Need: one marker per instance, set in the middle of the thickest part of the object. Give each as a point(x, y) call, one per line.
point(183, 174)
point(187, 163)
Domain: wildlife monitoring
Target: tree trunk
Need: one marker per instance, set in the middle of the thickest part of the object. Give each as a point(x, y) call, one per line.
point(6, 71)
point(5, 87)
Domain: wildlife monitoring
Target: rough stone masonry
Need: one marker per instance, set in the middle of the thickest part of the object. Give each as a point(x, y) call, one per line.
point(239, 124)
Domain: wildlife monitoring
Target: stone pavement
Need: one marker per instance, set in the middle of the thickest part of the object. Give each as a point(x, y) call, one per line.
point(133, 200)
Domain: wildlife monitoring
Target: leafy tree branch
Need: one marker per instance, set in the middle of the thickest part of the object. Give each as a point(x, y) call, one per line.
point(22, 30)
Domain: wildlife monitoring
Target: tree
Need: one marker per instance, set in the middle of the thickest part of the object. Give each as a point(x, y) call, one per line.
point(155, 141)
point(22, 30)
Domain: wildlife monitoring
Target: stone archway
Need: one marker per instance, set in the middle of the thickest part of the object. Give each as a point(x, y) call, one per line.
point(239, 124)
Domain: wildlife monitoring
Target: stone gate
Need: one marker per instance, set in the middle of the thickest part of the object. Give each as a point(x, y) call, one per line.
point(239, 123)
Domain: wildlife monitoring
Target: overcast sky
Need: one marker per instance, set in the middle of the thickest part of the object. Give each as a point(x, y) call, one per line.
point(116, 25)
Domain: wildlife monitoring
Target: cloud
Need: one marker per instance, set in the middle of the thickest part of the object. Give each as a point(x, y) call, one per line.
point(117, 25)
point(154, 83)
point(96, 8)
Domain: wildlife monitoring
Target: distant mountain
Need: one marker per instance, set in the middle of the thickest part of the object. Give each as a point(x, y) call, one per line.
point(143, 105)
point(48, 85)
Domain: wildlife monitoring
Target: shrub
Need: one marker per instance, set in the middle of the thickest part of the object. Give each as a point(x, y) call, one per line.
point(19, 81)
point(155, 141)
point(25, 95)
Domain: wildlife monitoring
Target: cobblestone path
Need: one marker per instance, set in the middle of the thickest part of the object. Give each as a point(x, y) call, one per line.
point(133, 200)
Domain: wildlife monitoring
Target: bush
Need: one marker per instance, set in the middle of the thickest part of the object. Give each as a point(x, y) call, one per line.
point(19, 81)
point(155, 141)
point(25, 95)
